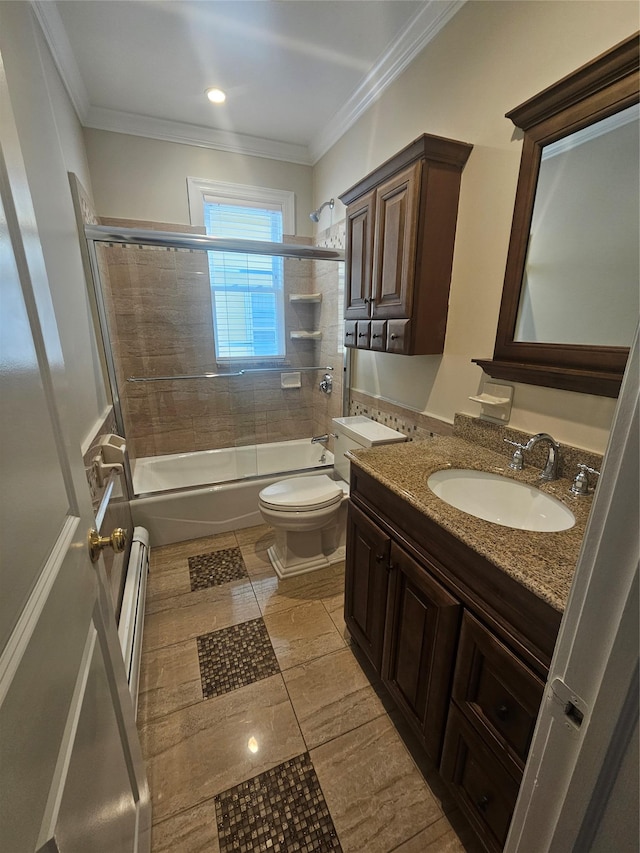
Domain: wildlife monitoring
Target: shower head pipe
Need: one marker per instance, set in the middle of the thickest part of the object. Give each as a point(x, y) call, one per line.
point(314, 216)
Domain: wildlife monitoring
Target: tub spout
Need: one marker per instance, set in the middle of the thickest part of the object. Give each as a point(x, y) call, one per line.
point(323, 439)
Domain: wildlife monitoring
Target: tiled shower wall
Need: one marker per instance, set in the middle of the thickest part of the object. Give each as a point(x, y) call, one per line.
point(159, 307)
point(328, 280)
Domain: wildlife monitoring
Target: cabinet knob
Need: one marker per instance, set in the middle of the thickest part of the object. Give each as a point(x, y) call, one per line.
point(483, 802)
point(362, 334)
point(379, 558)
point(502, 712)
point(393, 337)
point(366, 300)
point(376, 336)
point(348, 334)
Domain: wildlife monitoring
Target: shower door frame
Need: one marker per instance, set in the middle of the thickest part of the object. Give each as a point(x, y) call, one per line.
point(175, 240)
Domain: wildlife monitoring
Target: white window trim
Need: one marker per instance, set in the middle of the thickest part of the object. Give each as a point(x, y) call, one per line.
point(200, 188)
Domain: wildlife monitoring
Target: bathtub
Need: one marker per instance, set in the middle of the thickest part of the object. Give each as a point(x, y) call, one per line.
point(214, 491)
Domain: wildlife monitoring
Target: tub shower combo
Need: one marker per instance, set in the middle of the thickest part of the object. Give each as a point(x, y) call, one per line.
point(206, 434)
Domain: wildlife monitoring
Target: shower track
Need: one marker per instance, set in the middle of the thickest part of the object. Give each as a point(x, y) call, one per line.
point(243, 372)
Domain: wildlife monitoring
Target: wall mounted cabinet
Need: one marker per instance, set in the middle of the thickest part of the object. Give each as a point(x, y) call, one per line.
point(461, 647)
point(401, 223)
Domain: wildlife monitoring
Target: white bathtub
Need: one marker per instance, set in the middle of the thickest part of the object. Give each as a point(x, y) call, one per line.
point(201, 509)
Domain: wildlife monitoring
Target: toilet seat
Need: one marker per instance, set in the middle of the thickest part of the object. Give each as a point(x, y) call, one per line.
point(302, 494)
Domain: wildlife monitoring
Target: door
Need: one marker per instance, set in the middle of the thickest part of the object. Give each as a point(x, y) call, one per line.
point(359, 237)
point(419, 651)
point(366, 581)
point(397, 203)
point(71, 771)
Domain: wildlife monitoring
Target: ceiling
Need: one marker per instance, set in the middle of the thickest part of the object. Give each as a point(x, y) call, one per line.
point(297, 73)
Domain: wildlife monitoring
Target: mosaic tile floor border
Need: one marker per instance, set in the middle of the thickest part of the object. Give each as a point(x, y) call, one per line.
point(215, 568)
point(234, 657)
point(282, 810)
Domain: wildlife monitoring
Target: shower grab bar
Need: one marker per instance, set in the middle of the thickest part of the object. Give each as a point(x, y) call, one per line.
point(205, 242)
point(222, 375)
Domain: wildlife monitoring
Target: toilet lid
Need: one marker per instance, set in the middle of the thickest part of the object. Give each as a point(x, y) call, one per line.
point(302, 493)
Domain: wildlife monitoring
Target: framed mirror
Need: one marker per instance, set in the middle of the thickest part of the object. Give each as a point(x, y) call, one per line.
point(571, 296)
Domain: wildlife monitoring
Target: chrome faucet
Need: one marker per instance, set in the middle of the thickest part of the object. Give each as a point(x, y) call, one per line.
point(320, 439)
point(550, 471)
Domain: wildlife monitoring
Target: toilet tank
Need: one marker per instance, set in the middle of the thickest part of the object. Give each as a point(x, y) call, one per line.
point(356, 432)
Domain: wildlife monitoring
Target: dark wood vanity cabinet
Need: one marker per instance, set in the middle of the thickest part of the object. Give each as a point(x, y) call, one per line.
point(420, 645)
point(366, 586)
point(462, 648)
point(400, 231)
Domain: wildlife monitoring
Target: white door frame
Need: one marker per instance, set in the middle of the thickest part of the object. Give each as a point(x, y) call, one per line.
point(589, 716)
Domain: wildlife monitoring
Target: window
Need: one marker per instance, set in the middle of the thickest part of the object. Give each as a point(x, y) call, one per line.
point(246, 290)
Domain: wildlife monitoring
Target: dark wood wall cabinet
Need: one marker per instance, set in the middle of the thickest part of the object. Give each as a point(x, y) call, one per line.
point(462, 648)
point(400, 231)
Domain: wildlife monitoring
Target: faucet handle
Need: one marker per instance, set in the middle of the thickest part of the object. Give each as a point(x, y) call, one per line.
point(580, 485)
point(517, 460)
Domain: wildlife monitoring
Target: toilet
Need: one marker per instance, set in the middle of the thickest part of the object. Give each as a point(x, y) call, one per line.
point(309, 513)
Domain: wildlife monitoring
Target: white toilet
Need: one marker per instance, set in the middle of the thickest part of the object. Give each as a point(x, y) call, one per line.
point(309, 513)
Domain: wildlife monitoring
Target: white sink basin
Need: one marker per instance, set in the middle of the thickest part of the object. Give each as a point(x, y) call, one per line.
point(501, 500)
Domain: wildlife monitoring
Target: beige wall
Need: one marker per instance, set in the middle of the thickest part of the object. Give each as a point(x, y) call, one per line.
point(489, 58)
point(138, 178)
point(52, 145)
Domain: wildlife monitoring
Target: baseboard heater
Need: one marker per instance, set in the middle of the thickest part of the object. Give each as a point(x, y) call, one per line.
point(132, 611)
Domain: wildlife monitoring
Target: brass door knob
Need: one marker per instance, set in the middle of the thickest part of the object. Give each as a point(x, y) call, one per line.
point(117, 541)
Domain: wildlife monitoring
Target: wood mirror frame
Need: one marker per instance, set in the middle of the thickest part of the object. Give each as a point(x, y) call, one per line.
point(599, 89)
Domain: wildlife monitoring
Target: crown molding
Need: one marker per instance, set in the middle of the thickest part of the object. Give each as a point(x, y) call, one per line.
point(193, 134)
point(422, 28)
point(417, 34)
point(56, 37)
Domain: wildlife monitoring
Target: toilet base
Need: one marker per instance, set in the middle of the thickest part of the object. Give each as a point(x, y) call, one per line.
point(302, 566)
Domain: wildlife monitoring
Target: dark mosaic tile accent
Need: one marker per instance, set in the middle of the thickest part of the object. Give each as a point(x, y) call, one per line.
point(216, 568)
point(235, 657)
point(282, 810)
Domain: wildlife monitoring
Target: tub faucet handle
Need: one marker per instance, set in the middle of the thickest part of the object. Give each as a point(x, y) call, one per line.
point(517, 460)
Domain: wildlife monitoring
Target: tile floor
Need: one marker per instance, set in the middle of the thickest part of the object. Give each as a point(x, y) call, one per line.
point(260, 728)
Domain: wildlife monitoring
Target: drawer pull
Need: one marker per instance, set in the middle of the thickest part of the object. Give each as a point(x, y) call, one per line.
point(362, 334)
point(502, 712)
point(483, 802)
point(348, 334)
point(376, 336)
point(379, 558)
point(393, 337)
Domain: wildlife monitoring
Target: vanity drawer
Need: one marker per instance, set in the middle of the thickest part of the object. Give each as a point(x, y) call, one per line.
point(485, 791)
point(496, 691)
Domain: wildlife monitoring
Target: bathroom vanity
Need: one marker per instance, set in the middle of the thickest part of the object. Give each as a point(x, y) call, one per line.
point(458, 616)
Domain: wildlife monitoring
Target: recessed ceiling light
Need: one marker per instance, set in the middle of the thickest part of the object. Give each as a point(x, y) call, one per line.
point(216, 96)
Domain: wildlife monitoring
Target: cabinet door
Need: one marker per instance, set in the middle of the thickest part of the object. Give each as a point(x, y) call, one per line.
point(497, 692)
point(399, 336)
point(484, 790)
point(378, 334)
point(364, 333)
point(359, 247)
point(420, 648)
point(366, 580)
point(397, 203)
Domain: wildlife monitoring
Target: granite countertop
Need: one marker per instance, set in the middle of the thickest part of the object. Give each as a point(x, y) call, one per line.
point(542, 562)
